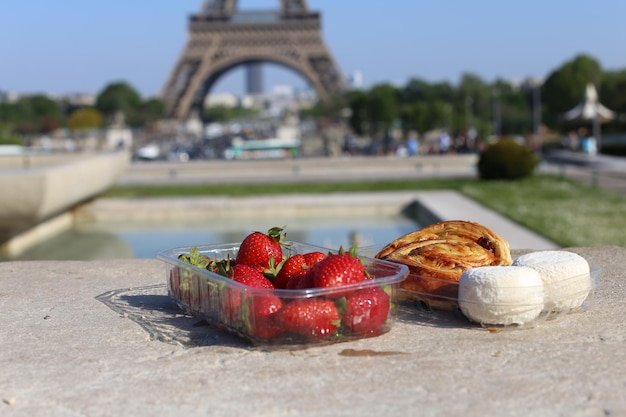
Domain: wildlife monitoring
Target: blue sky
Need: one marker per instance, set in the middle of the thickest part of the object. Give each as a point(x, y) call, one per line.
point(68, 46)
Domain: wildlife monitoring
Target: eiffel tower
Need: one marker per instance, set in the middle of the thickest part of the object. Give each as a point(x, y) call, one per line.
point(221, 37)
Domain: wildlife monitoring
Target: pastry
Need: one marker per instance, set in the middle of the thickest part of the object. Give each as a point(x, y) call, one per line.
point(501, 295)
point(438, 254)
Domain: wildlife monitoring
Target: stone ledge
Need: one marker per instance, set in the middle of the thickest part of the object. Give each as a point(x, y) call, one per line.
point(35, 197)
point(66, 353)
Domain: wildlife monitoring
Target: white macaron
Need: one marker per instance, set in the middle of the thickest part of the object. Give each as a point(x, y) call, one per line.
point(566, 277)
point(501, 295)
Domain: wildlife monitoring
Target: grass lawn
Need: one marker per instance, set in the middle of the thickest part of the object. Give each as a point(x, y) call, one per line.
point(565, 211)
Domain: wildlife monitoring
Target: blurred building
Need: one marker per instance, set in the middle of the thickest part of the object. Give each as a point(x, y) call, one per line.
point(221, 99)
point(355, 80)
point(254, 78)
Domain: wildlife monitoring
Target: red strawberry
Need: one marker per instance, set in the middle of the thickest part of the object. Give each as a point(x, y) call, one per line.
point(234, 298)
point(314, 318)
point(295, 283)
point(261, 250)
point(250, 276)
point(263, 316)
point(187, 288)
point(312, 258)
point(260, 319)
point(174, 284)
point(305, 279)
point(338, 269)
point(366, 310)
point(294, 266)
point(302, 282)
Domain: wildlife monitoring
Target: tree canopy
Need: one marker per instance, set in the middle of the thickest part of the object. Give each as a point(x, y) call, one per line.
point(564, 88)
point(500, 107)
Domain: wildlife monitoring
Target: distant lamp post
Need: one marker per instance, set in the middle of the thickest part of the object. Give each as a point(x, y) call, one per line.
point(468, 112)
point(497, 113)
point(537, 112)
point(448, 110)
point(596, 129)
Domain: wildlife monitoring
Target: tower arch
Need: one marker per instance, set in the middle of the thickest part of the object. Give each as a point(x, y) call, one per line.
point(221, 38)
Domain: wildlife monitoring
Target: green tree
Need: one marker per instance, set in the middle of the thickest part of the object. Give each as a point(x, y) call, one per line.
point(474, 100)
point(381, 108)
point(32, 114)
point(150, 111)
point(564, 87)
point(425, 106)
point(331, 107)
point(7, 137)
point(443, 91)
point(227, 114)
point(613, 95)
point(424, 115)
point(512, 109)
point(416, 90)
point(119, 97)
point(358, 112)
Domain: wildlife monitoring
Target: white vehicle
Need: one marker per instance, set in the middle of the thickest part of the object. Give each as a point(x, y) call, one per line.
point(149, 152)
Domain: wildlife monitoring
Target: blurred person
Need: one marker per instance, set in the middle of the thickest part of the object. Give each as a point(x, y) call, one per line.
point(412, 144)
point(444, 143)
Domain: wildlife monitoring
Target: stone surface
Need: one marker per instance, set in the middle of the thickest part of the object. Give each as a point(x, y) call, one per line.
point(101, 338)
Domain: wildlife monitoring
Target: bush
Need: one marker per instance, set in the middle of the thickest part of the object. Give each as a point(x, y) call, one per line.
point(506, 160)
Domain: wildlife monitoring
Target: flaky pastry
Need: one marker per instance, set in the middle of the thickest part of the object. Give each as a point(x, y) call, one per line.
point(438, 254)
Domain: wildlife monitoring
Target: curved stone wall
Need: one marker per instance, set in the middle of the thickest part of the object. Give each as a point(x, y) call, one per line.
point(33, 194)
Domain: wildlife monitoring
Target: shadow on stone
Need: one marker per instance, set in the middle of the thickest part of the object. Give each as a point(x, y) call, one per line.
point(419, 312)
point(152, 309)
point(419, 213)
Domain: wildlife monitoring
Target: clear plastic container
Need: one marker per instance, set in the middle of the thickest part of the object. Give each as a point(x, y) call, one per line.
point(232, 306)
point(507, 307)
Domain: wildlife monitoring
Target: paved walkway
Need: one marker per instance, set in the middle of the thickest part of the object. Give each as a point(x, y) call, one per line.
point(601, 170)
point(300, 170)
point(598, 170)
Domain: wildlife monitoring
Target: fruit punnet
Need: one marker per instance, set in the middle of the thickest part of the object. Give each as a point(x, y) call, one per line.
point(501, 295)
point(265, 310)
point(566, 277)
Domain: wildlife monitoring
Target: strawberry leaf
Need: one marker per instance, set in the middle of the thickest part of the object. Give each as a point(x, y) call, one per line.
point(195, 258)
point(342, 305)
point(276, 233)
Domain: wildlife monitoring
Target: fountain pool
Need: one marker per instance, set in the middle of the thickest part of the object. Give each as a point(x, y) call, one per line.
point(108, 240)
